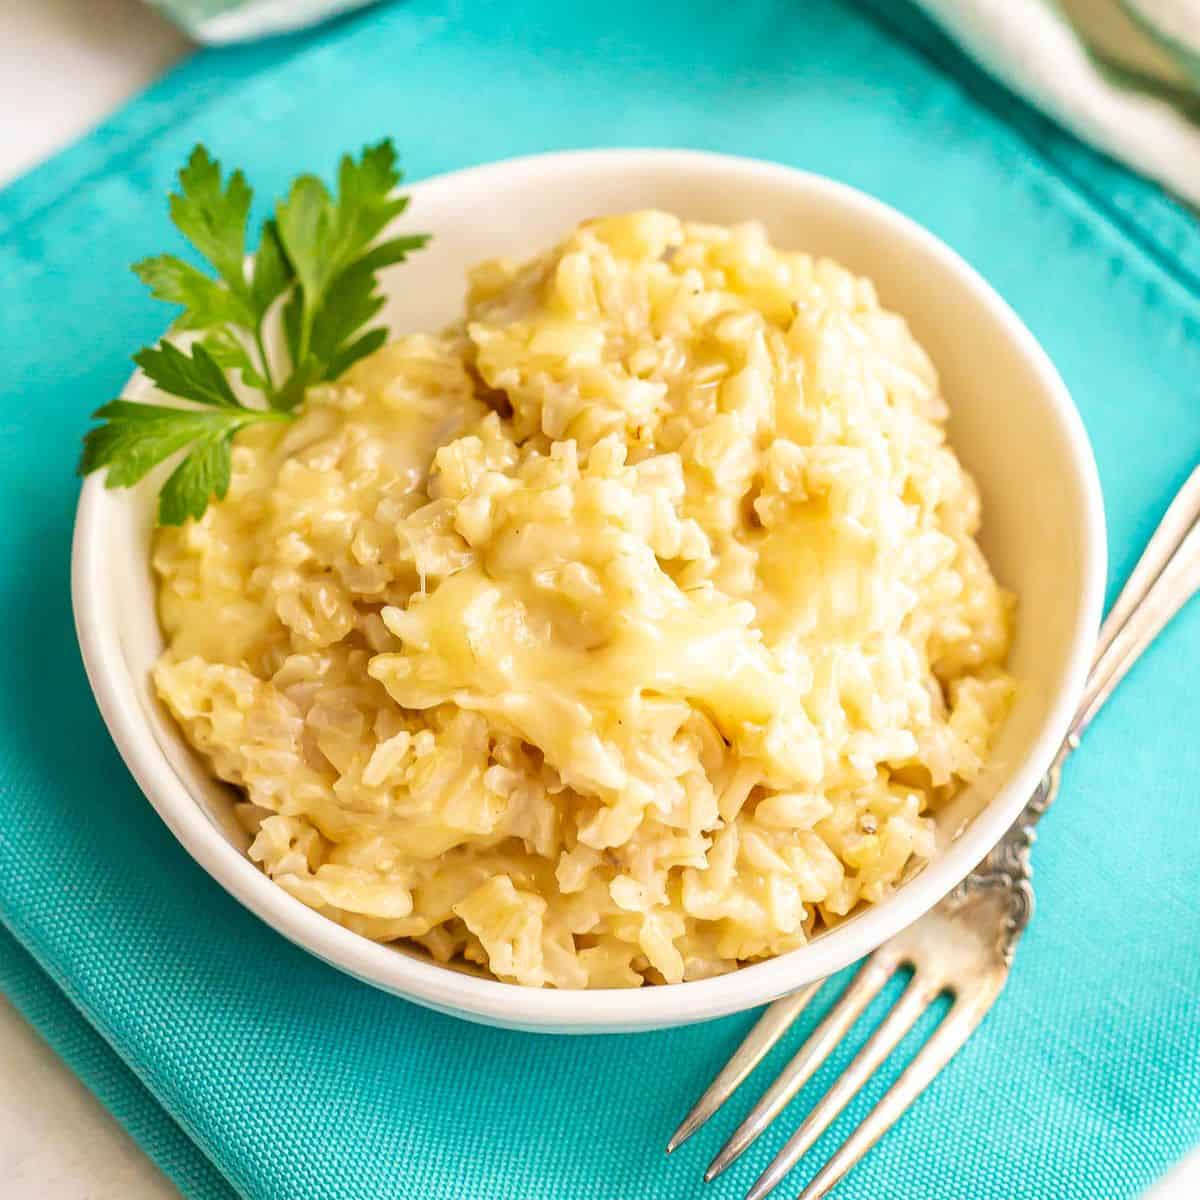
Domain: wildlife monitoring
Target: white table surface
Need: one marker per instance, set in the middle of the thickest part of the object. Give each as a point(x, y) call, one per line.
point(57, 1142)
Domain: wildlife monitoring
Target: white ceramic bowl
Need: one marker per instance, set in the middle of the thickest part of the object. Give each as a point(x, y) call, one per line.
point(1013, 424)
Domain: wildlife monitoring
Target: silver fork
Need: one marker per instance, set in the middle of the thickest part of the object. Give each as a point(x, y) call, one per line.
point(965, 945)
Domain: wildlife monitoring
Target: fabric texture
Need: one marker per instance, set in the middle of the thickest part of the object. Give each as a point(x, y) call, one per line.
point(1117, 73)
point(1123, 75)
point(247, 1067)
point(45, 1006)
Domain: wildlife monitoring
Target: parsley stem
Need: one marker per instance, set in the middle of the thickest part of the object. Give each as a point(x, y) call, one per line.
point(305, 336)
point(264, 360)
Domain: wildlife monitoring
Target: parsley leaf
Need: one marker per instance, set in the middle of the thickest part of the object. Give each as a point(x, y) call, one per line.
point(213, 217)
point(316, 266)
point(207, 302)
point(272, 272)
point(234, 355)
point(197, 376)
point(135, 438)
point(348, 355)
point(330, 243)
point(202, 474)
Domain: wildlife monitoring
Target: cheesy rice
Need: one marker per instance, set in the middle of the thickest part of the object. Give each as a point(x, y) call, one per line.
point(628, 631)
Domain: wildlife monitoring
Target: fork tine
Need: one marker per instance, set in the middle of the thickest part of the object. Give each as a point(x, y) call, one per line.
point(917, 997)
point(863, 988)
point(947, 1039)
point(768, 1029)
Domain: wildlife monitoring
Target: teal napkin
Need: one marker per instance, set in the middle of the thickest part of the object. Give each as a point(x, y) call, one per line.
point(246, 1067)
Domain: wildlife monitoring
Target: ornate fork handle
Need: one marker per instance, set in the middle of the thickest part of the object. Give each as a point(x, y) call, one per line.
point(1167, 575)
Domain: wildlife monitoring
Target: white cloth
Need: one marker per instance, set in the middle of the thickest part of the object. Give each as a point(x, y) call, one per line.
point(246, 20)
point(1033, 48)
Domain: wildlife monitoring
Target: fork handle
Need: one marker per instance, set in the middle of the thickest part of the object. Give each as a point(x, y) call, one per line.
point(1165, 578)
point(1147, 603)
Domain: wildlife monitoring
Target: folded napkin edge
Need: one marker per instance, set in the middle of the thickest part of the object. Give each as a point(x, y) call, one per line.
point(53, 1008)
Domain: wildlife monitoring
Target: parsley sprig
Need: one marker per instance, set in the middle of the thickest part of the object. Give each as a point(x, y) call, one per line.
point(320, 254)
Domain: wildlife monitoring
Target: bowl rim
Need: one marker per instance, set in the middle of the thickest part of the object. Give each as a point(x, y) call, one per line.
point(612, 1009)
